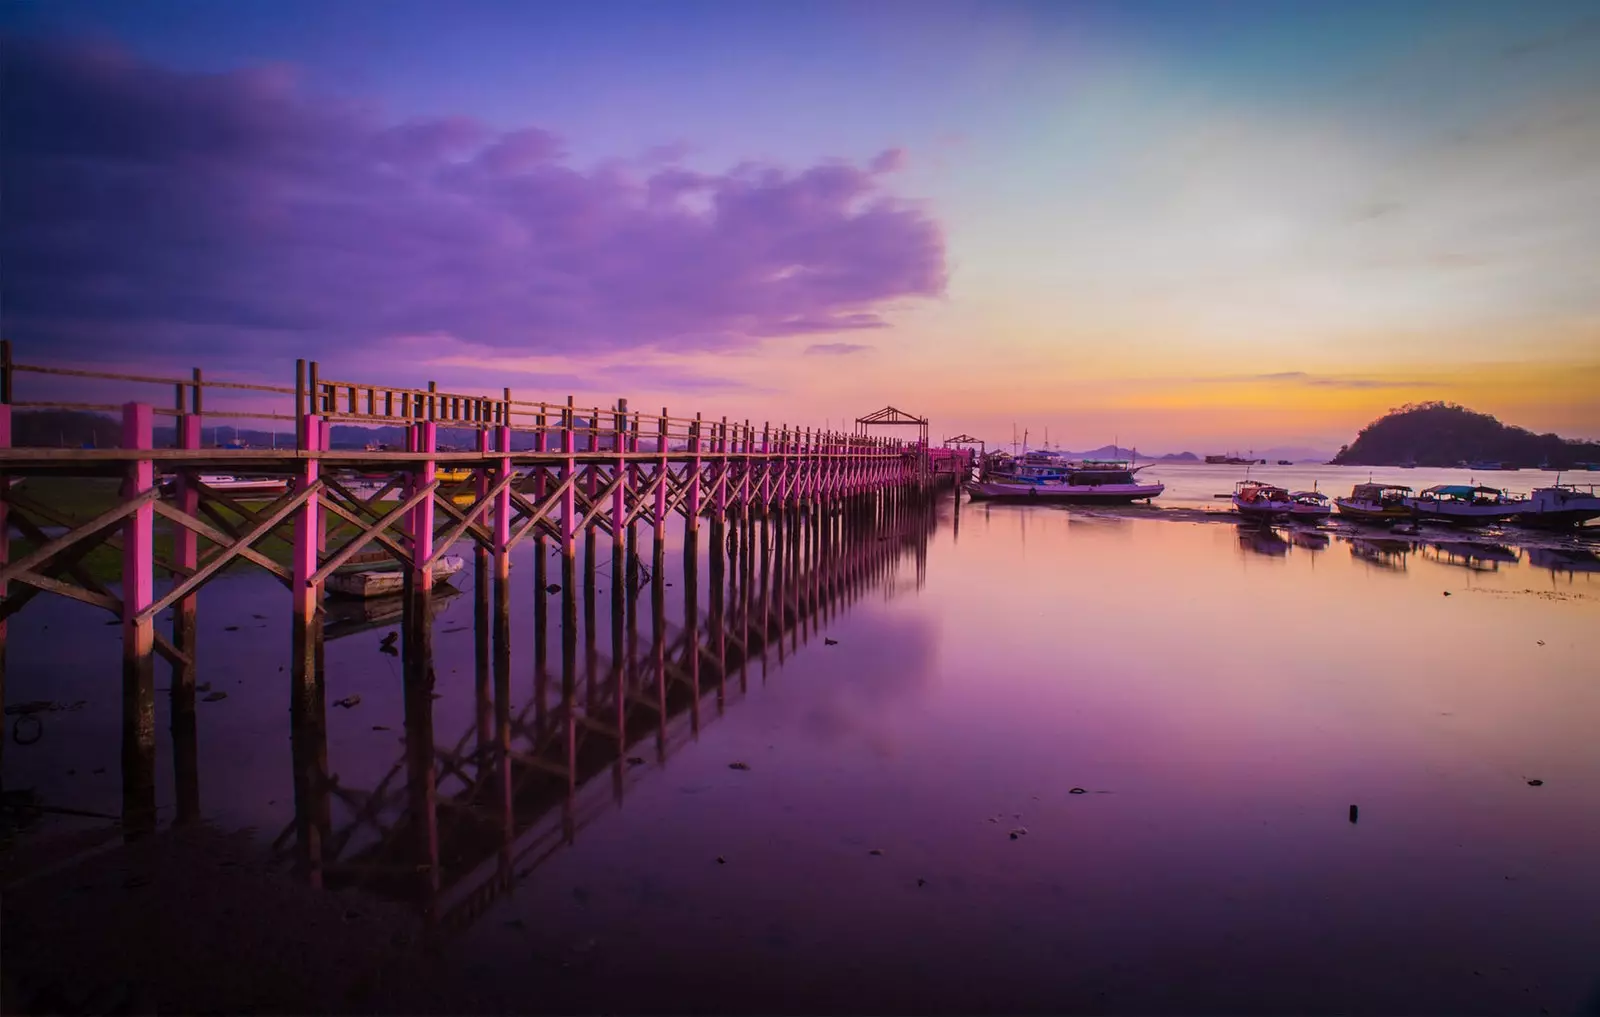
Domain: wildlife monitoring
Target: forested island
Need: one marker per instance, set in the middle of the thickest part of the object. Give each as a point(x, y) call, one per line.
point(1444, 434)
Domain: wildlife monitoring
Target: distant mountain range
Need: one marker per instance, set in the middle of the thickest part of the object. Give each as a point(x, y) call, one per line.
point(1444, 434)
point(1295, 453)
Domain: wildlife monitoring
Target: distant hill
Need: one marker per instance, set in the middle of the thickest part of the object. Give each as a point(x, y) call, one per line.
point(1444, 434)
point(1117, 452)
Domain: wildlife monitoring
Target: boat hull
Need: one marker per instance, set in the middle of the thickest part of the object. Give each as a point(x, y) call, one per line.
point(1263, 510)
point(1558, 518)
point(1096, 494)
point(1559, 508)
point(1462, 515)
point(1310, 514)
point(1387, 515)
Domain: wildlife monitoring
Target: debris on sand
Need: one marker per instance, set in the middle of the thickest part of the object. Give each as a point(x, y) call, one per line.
point(877, 852)
point(230, 628)
point(553, 588)
point(348, 701)
point(739, 766)
point(1354, 812)
point(214, 697)
point(721, 860)
point(1447, 593)
point(1536, 783)
point(829, 642)
point(380, 727)
point(389, 639)
point(635, 760)
point(922, 882)
point(1077, 791)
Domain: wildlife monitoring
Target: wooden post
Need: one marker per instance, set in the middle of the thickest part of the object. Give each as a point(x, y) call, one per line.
point(185, 550)
point(569, 496)
point(692, 502)
point(619, 493)
point(426, 439)
point(487, 758)
point(138, 637)
point(663, 467)
point(5, 528)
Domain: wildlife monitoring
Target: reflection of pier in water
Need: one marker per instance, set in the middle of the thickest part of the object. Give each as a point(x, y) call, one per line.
point(453, 827)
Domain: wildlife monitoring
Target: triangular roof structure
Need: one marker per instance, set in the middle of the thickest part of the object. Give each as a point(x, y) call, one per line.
point(890, 415)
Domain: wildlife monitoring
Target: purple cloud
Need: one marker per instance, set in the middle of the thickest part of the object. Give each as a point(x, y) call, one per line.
point(835, 349)
point(185, 213)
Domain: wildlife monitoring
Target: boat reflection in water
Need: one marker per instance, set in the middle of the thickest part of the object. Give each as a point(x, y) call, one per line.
point(1311, 540)
point(1261, 539)
point(1382, 552)
point(1471, 555)
point(1564, 559)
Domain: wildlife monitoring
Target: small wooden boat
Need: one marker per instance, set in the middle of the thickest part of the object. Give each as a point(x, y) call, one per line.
point(1376, 503)
point(1465, 504)
point(1256, 500)
point(227, 483)
point(380, 579)
point(1310, 506)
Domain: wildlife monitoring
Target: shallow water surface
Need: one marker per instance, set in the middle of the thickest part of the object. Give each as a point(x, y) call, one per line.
point(1012, 759)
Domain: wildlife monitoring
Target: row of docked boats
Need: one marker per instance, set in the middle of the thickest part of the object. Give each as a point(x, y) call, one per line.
point(1560, 505)
point(1046, 476)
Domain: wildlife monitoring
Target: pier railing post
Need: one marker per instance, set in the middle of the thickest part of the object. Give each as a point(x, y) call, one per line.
point(622, 481)
point(138, 636)
point(664, 467)
point(569, 496)
point(5, 525)
point(692, 502)
point(425, 439)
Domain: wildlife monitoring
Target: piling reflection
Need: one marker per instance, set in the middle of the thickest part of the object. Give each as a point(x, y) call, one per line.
point(1479, 557)
point(1385, 553)
point(452, 825)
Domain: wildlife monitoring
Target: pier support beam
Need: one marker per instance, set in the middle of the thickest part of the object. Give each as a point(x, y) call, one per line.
point(185, 551)
point(138, 637)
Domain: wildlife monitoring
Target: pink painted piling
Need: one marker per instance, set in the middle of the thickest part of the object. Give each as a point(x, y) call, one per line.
point(138, 635)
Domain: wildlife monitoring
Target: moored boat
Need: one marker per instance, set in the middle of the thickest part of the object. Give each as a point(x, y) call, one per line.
point(1256, 500)
point(1376, 503)
point(379, 579)
point(1465, 504)
point(1310, 506)
point(1094, 481)
point(1560, 505)
point(229, 484)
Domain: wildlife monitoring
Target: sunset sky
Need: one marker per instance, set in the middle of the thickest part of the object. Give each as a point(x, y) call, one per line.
point(1189, 225)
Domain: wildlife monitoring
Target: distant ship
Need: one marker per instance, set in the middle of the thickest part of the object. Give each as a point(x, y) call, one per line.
point(1234, 460)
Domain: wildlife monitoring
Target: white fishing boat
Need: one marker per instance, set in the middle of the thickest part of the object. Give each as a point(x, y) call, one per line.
point(1045, 477)
point(1256, 500)
point(379, 579)
point(1310, 506)
point(1465, 504)
point(1560, 505)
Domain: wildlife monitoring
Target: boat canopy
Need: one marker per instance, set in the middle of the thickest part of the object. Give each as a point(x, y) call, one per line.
point(1461, 490)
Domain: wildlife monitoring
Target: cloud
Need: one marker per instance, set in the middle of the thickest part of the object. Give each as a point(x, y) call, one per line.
point(187, 213)
point(890, 160)
point(835, 349)
point(1321, 381)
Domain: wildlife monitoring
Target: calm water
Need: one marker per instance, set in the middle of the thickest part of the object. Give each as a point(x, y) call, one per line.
point(1221, 695)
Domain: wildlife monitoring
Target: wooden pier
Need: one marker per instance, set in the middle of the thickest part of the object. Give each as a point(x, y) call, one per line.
point(546, 472)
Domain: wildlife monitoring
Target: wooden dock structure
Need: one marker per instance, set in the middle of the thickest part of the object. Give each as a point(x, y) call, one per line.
point(540, 471)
